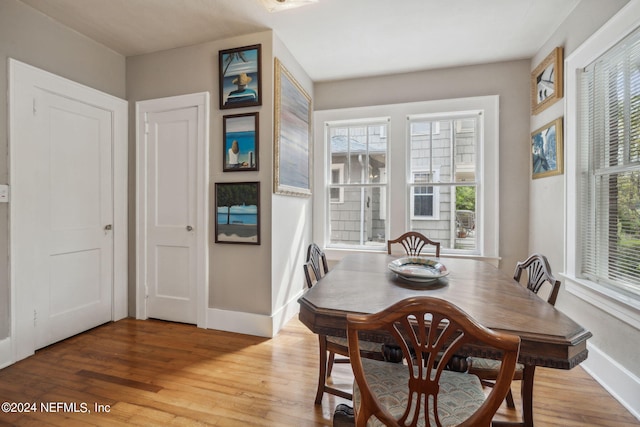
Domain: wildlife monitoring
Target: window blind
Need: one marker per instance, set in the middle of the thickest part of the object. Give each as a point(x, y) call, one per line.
point(609, 184)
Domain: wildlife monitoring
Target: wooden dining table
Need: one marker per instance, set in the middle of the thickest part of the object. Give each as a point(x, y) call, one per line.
point(363, 283)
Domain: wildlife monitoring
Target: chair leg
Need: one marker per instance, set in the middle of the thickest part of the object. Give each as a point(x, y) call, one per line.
point(322, 374)
point(332, 356)
point(510, 403)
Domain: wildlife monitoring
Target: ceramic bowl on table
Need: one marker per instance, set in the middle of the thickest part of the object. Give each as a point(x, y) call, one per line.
point(418, 269)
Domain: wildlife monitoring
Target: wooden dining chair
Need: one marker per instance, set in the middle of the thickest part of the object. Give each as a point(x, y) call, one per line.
point(413, 243)
point(315, 268)
point(421, 391)
point(538, 275)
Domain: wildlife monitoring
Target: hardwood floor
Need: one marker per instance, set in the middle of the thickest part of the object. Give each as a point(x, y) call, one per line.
point(151, 373)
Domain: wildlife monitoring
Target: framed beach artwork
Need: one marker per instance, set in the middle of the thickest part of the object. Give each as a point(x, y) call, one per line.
point(240, 77)
point(546, 150)
point(240, 142)
point(238, 212)
point(292, 135)
point(547, 81)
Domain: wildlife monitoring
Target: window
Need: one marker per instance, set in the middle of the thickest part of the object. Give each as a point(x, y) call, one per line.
point(602, 169)
point(424, 198)
point(443, 179)
point(357, 191)
point(610, 169)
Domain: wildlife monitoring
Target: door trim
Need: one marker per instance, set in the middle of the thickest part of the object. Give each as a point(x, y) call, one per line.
point(23, 80)
point(201, 102)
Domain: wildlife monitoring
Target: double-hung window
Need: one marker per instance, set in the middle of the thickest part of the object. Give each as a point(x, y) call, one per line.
point(609, 168)
point(358, 185)
point(443, 178)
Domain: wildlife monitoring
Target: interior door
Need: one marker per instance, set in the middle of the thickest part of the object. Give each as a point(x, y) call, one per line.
point(172, 174)
point(68, 146)
point(78, 210)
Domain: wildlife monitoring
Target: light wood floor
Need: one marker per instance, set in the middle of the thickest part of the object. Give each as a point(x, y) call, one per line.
point(155, 373)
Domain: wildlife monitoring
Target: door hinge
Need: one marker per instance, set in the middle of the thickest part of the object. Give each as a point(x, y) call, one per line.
point(35, 318)
point(146, 124)
point(35, 108)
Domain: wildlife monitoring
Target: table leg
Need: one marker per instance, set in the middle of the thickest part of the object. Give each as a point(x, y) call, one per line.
point(526, 393)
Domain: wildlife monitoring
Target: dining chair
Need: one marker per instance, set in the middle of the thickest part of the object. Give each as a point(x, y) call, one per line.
point(315, 268)
point(421, 391)
point(413, 243)
point(538, 274)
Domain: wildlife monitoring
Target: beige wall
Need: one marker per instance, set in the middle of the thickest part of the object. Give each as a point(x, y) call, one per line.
point(509, 80)
point(614, 337)
point(242, 278)
point(30, 37)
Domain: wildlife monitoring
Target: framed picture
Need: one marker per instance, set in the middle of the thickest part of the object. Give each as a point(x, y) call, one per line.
point(240, 77)
point(238, 212)
point(546, 81)
point(292, 135)
point(546, 150)
point(240, 142)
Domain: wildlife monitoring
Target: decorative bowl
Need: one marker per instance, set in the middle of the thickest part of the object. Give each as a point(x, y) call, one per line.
point(418, 269)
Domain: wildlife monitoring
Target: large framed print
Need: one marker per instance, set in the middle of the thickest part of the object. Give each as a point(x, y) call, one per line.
point(292, 135)
point(238, 212)
point(546, 150)
point(547, 81)
point(240, 142)
point(240, 77)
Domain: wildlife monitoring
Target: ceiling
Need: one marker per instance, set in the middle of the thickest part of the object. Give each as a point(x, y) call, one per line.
point(331, 39)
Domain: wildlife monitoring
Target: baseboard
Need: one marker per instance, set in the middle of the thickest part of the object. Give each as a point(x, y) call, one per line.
point(623, 385)
point(5, 353)
point(260, 325)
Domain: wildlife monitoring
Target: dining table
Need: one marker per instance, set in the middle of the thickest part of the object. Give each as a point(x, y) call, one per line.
point(363, 283)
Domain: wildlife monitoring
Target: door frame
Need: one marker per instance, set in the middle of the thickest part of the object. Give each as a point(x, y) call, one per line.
point(201, 102)
point(24, 79)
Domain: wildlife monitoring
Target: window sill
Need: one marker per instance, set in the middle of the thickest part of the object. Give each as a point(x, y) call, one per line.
point(606, 299)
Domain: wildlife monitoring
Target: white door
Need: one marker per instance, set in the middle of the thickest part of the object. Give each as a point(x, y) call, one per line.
point(172, 177)
point(64, 139)
point(76, 208)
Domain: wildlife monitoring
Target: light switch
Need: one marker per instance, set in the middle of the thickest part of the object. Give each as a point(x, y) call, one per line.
point(4, 193)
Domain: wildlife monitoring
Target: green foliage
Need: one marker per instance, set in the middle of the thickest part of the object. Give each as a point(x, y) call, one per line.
point(466, 198)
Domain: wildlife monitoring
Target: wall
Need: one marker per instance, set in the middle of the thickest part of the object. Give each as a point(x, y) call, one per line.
point(614, 342)
point(509, 80)
point(33, 38)
point(292, 219)
point(249, 286)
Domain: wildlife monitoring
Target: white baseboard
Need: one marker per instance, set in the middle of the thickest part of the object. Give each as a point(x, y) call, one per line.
point(623, 385)
point(5, 353)
point(261, 325)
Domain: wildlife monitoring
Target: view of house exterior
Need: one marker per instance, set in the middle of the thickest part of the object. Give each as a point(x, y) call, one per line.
point(441, 185)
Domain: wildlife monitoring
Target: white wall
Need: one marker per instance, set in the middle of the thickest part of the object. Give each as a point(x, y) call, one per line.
point(292, 220)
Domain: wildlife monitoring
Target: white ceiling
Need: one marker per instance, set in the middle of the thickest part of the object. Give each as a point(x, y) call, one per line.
point(332, 39)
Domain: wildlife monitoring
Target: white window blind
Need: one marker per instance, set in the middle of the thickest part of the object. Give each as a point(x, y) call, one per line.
point(609, 186)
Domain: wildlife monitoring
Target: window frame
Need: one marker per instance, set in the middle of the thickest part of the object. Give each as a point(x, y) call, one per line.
point(609, 299)
point(383, 122)
point(488, 243)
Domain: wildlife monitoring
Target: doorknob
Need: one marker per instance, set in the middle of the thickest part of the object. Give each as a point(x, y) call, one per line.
point(107, 227)
point(189, 228)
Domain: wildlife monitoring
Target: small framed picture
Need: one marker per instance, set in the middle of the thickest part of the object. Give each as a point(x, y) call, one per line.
point(546, 150)
point(240, 77)
point(547, 81)
point(238, 212)
point(240, 142)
